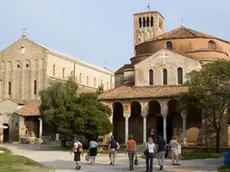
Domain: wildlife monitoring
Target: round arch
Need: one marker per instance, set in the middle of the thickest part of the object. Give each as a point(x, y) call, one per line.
point(136, 122)
point(6, 133)
point(118, 122)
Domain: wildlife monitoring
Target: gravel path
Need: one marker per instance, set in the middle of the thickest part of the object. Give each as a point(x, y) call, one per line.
point(62, 161)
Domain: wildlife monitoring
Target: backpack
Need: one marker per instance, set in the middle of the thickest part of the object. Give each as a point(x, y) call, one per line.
point(79, 147)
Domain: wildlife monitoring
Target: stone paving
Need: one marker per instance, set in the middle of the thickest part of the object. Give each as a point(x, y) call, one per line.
point(62, 161)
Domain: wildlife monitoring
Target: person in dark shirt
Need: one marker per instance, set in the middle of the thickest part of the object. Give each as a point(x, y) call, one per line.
point(160, 151)
point(112, 149)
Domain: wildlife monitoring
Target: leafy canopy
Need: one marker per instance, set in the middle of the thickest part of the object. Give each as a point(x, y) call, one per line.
point(69, 113)
point(209, 91)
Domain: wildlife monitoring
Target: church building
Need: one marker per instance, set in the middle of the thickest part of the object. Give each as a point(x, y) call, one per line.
point(146, 90)
point(26, 68)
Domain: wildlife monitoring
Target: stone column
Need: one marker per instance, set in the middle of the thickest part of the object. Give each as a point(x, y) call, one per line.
point(184, 118)
point(126, 128)
point(165, 127)
point(40, 127)
point(144, 129)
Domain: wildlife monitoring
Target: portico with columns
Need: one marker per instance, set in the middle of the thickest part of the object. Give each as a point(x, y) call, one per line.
point(138, 116)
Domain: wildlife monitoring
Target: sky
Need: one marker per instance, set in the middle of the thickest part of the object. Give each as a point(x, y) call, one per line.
point(100, 32)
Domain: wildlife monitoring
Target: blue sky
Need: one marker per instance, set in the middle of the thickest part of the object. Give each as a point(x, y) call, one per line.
point(99, 31)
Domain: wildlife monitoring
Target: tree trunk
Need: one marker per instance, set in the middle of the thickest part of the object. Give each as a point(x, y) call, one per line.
point(218, 140)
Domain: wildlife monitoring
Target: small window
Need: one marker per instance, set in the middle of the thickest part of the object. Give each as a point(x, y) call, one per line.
point(27, 65)
point(211, 45)
point(150, 77)
point(140, 22)
point(22, 49)
point(179, 76)
point(169, 45)
point(18, 66)
point(152, 21)
point(53, 70)
point(9, 88)
point(87, 80)
point(63, 73)
point(95, 82)
point(165, 77)
point(35, 87)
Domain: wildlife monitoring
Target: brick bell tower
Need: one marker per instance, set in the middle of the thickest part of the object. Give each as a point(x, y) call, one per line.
point(147, 25)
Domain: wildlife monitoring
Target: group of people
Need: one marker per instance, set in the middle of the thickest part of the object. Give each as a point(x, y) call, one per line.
point(151, 149)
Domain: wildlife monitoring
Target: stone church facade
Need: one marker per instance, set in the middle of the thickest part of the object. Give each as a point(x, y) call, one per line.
point(146, 91)
point(26, 68)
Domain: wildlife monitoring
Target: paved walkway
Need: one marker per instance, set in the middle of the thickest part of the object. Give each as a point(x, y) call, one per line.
point(62, 161)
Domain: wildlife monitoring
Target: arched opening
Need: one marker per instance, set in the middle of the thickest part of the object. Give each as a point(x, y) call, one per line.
point(194, 124)
point(150, 77)
point(140, 22)
point(147, 21)
point(179, 76)
point(174, 121)
point(151, 20)
point(169, 45)
point(144, 22)
point(6, 133)
point(87, 80)
point(136, 122)
point(211, 45)
point(118, 122)
point(154, 119)
point(165, 77)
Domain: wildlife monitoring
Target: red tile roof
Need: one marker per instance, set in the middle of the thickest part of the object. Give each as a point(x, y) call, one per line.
point(134, 92)
point(31, 108)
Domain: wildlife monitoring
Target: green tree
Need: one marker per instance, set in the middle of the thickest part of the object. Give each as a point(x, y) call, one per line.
point(68, 113)
point(209, 91)
point(100, 89)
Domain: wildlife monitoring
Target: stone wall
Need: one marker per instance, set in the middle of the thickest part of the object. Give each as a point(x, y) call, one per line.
point(29, 126)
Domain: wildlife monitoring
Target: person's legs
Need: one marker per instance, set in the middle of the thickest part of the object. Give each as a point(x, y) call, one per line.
point(162, 160)
point(130, 159)
point(147, 163)
point(159, 158)
point(172, 155)
point(110, 157)
point(151, 162)
point(114, 156)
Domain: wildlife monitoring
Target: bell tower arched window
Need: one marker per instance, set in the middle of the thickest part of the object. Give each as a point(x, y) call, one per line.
point(150, 77)
point(179, 76)
point(165, 77)
point(211, 45)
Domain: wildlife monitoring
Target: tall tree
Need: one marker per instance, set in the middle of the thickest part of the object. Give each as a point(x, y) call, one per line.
point(209, 90)
point(69, 113)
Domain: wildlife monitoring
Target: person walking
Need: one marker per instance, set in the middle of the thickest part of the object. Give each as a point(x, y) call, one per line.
point(93, 149)
point(131, 149)
point(160, 151)
point(77, 149)
point(174, 150)
point(112, 149)
point(150, 149)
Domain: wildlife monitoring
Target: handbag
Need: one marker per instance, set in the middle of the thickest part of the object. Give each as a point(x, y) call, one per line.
point(136, 160)
point(146, 152)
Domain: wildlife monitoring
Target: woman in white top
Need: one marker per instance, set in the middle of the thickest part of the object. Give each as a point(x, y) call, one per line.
point(150, 149)
point(78, 150)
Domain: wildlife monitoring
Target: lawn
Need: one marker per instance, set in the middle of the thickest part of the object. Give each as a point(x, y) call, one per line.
point(224, 169)
point(199, 155)
point(16, 163)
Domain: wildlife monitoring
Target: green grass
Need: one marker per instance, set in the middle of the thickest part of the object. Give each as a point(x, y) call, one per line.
point(199, 155)
point(16, 163)
point(224, 169)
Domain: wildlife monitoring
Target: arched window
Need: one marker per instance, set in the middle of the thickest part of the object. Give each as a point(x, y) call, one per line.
point(169, 45)
point(165, 77)
point(72, 73)
point(152, 21)
point(211, 45)
point(53, 70)
point(87, 80)
point(150, 77)
point(143, 21)
point(80, 77)
point(63, 72)
point(94, 82)
point(180, 75)
point(107, 85)
point(147, 22)
point(140, 22)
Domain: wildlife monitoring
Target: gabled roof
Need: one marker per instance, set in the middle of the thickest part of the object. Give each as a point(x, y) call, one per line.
point(31, 108)
point(135, 92)
point(182, 33)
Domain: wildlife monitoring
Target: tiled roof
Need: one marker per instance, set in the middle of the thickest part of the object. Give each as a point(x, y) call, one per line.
point(182, 33)
point(31, 108)
point(134, 92)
